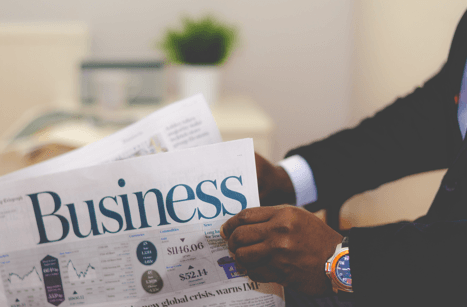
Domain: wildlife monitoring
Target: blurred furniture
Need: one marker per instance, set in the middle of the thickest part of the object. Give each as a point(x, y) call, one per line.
point(46, 135)
point(138, 81)
point(39, 68)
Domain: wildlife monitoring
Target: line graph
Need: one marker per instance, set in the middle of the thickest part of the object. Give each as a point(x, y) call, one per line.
point(91, 269)
point(77, 275)
point(30, 279)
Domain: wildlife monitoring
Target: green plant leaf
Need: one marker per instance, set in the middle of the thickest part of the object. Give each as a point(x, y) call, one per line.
point(202, 42)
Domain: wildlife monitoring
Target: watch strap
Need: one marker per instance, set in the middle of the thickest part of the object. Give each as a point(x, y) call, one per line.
point(343, 295)
point(345, 242)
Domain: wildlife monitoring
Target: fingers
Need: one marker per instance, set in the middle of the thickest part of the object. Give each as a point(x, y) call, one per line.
point(247, 235)
point(256, 261)
point(247, 216)
point(266, 274)
point(253, 256)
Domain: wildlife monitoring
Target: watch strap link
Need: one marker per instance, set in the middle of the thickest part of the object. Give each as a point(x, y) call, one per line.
point(345, 242)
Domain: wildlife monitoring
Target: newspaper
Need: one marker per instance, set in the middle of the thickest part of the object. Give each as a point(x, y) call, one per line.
point(138, 232)
point(180, 125)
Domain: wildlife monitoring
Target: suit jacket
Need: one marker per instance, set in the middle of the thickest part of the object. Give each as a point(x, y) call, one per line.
point(411, 263)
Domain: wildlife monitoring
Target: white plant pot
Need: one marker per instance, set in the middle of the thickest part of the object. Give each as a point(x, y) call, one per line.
point(194, 79)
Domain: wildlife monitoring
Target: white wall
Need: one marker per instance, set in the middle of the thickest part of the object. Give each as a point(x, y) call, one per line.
point(39, 69)
point(398, 44)
point(293, 57)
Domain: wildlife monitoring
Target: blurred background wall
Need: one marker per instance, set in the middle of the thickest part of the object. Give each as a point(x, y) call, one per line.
point(314, 66)
point(293, 57)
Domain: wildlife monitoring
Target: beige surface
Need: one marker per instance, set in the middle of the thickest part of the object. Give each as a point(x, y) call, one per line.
point(12, 161)
point(39, 66)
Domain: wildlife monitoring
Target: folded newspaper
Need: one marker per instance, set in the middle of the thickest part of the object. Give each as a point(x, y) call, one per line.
point(86, 229)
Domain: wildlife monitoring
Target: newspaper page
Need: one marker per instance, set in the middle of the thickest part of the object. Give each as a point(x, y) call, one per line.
point(139, 232)
point(183, 124)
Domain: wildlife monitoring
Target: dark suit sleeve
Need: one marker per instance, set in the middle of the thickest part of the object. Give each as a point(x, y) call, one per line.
point(411, 135)
point(402, 264)
point(414, 134)
point(410, 264)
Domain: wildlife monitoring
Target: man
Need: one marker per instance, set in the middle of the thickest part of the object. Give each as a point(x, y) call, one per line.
point(418, 263)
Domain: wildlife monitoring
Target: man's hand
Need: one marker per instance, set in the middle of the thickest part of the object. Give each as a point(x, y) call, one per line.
point(282, 244)
point(274, 184)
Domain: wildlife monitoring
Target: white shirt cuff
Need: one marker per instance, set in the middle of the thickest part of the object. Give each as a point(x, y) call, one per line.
point(302, 179)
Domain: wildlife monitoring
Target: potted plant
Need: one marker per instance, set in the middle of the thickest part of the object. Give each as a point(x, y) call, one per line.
point(201, 46)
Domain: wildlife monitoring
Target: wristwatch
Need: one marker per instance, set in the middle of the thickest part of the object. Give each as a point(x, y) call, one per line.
point(338, 269)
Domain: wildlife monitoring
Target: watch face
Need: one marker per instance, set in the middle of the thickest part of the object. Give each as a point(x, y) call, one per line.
point(343, 270)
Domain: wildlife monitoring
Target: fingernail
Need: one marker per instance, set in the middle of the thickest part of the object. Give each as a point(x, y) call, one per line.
point(222, 232)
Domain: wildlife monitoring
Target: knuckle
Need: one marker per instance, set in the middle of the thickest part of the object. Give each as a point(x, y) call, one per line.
point(281, 245)
point(289, 211)
point(286, 220)
point(284, 228)
point(244, 216)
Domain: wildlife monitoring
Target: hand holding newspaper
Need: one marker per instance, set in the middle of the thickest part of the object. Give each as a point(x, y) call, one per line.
point(138, 232)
